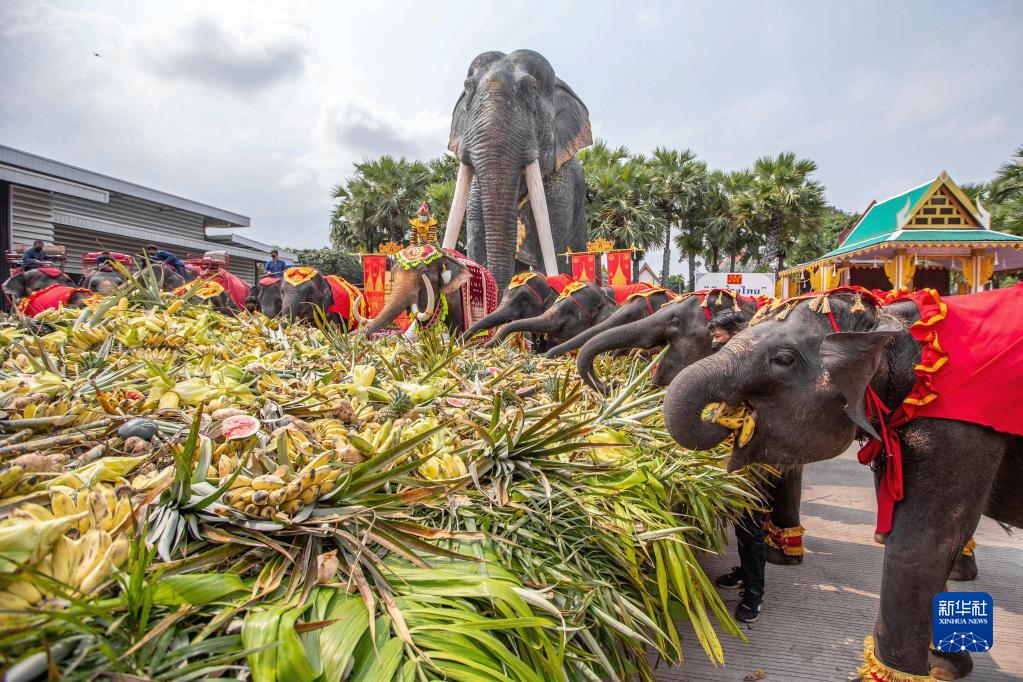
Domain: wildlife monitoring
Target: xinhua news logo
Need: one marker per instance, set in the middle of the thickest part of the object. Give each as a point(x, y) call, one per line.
point(963, 621)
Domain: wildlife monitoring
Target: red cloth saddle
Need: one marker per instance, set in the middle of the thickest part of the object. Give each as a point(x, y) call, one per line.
point(345, 294)
point(235, 286)
point(49, 298)
point(622, 292)
point(479, 293)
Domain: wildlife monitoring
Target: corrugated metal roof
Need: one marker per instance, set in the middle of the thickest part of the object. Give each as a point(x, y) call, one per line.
point(39, 164)
point(24, 178)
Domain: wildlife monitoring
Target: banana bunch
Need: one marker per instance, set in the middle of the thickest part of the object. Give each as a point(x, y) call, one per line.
point(9, 479)
point(100, 506)
point(443, 467)
point(83, 337)
point(271, 495)
point(738, 419)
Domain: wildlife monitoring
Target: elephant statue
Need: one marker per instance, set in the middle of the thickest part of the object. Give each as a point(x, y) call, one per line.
point(436, 286)
point(811, 374)
point(516, 129)
point(529, 294)
point(304, 289)
point(29, 281)
point(265, 297)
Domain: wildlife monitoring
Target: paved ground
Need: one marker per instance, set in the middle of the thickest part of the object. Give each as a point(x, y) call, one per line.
point(816, 614)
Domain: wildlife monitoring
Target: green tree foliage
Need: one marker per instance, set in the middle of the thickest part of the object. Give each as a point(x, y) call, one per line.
point(1005, 195)
point(679, 194)
point(332, 262)
point(373, 206)
point(781, 203)
point(810, 245)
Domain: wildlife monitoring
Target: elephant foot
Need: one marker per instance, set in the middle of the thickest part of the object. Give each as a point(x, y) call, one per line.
point(780, 558)
point(949, 666)
point(964, 568)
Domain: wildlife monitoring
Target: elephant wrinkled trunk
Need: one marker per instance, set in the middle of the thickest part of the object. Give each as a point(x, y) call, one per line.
point(688, 394)
point(494, 319)
point(615, 320)
point(394, 307)
point(542, 324)
point(638, 334)
point(500, 183)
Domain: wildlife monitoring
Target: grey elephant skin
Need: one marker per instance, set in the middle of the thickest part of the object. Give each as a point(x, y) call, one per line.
point(566, 317)
point(529, 299)
point(418, 290)
point(514, 111)
point(24, 283)
point(265, 298)
point(805, 384)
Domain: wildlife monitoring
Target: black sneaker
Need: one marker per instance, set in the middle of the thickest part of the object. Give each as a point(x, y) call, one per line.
point(730, 581)
point(748, 609)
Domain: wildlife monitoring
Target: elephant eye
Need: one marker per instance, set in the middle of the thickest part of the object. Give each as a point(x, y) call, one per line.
point(784, 357)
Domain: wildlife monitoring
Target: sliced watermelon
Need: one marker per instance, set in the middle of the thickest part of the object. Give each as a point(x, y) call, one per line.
point(239, 426)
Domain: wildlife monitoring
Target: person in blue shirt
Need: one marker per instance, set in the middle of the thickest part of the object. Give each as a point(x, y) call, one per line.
point(35, 257)
point(275, 267)
point(158, 254)
point(104, 259)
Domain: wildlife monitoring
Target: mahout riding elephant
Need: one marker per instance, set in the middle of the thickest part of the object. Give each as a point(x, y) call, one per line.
point(527, 295)
point(265, 297)
point(436, 286)
point(579, 307)
point(24, 283)
point(516, 129)
point(815, 372)
point(305, 289)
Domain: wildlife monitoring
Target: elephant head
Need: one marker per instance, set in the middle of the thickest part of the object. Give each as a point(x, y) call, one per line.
point(416, 285)
point(681, 325)
point(265, 298)
point(103, 281)
point(514, 123)
point(575, 311)
point(631, 310)
point(802, 383)
point(24, 283)
point(302, 293)
point(528, 295)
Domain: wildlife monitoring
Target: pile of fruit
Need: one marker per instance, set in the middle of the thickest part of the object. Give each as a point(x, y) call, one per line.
point(188, 495)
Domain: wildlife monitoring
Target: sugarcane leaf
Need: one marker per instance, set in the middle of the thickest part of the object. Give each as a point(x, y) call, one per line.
point(197, 588)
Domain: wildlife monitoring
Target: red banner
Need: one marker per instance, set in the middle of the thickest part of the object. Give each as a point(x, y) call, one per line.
point(619, 268)
point(584, 267)
point(374, 278)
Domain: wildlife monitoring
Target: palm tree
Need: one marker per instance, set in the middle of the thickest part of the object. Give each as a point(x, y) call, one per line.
point(781, 203)
point(620, 197)
point(374, 205)
point(680, 183)
point(1006, 195)
point(722, 233)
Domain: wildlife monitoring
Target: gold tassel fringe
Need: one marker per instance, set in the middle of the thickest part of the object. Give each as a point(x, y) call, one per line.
point(874, 670)
point(858, 306)
point(969, 547)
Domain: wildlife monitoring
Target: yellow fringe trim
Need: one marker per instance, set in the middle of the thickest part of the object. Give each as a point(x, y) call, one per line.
point(858, 306)
point(874, 670)
point(785, 313)
point(969, 547)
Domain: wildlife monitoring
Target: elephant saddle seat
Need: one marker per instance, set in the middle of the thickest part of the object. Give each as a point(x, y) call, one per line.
point(345, 295)
point(269, 280)
point(970, 370)
point(479, 293)
point(48, 298)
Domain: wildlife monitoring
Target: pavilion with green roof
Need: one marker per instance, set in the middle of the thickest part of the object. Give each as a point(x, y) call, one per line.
point(914, 240)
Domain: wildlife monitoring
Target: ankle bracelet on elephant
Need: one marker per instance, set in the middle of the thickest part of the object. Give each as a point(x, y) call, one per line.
point(873, 670)
point(787, 540)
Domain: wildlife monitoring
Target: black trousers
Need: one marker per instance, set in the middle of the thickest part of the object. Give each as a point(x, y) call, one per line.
point(750, 533)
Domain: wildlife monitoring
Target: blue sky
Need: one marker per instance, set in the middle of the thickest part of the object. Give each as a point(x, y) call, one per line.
point(261, 108)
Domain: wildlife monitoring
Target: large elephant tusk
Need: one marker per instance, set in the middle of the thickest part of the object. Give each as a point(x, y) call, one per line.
point(359, 317)
point(458, 204)
point(431, 301)
point(538, 200)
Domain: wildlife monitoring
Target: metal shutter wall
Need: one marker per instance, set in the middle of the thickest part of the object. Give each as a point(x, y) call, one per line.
point(32, 215)
point(135, 213)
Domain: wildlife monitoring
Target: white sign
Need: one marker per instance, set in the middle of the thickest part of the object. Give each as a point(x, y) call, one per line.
point(745, 283)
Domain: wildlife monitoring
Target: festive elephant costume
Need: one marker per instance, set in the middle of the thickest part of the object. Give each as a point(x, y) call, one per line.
point(53, 297)
point(516, 129)
point(24, 283)
point(437, 287)
point(579, 307)
point(929, 381)
point(304, 289)
point(211, 292)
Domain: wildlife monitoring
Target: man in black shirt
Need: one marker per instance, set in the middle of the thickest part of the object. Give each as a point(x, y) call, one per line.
point(35, 257)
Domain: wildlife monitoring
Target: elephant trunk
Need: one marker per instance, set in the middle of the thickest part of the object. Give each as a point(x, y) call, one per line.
point(541, 324)
point(499, 181)
point(643, 333)
point(495, 319)
point(691, 391)
point(398, 301)
point(616, 319)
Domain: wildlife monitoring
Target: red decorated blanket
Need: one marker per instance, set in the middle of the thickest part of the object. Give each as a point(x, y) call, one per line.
point(479, 293)
point(345, 295)
point(49, 298)
point(623, 292)
point(235, 286)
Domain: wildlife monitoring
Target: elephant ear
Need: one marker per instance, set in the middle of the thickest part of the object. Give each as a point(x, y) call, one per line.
point(571, 123)
point(851, 360)
point(15, 286)
point(452, 276)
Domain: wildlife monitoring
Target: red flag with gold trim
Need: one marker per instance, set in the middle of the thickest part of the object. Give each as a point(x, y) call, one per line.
point(584, 267)
point(619, 268)
point(374, 277)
